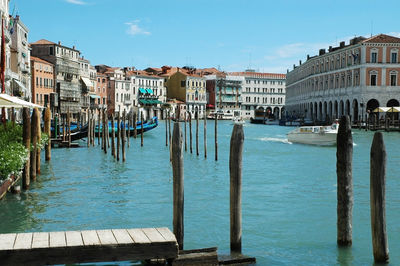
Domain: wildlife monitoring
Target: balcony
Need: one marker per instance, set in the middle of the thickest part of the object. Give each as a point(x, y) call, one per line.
point(24, 68)
point(127, 102)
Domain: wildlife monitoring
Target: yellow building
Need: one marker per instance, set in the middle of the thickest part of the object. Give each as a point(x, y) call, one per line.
point(189, 88)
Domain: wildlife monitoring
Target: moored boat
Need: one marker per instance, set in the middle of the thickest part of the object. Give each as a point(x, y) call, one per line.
point(316, 135)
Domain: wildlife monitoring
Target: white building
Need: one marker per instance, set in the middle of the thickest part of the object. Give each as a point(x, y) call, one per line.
point(265, 91)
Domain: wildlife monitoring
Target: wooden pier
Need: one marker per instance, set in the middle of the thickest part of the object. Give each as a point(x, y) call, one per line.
point(46, 248)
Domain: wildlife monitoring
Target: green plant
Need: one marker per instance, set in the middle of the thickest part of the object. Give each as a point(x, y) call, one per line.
point(13, 154)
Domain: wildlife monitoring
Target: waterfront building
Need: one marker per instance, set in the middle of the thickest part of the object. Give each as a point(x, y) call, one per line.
point(9, 74)
point(224, 92)
point(20, 83)
point(350, 79)
point(101, 90)
point(262, 91)
point(43, 84)
point(149, 92)
point(67, 78)
point(190, 88)
point(87, 83)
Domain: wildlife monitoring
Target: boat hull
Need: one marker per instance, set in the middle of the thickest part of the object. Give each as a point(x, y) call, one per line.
point(321, 139)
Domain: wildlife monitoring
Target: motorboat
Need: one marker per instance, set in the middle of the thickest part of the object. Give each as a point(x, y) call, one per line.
point(238, 120)
point(316, 135)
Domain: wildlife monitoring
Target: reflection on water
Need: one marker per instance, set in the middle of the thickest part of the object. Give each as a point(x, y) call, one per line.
point(289, 195)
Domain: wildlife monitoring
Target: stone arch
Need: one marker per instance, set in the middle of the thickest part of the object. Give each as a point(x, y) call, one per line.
point(325, 112)
point(356, 116)
point(319, 117)
point(336, 110)
point(347, 108)
point(341, 108)
point(392, 102)
point(276, 113)
point(330, 110)
point(372, 104)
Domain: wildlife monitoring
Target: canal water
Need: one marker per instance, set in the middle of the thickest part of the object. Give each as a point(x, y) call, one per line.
point(289, 195)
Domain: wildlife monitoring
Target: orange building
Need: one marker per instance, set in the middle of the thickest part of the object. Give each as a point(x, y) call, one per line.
point(42, 80)
point(101, 90)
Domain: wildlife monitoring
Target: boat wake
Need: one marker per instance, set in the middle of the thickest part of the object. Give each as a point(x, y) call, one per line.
point(282, 140)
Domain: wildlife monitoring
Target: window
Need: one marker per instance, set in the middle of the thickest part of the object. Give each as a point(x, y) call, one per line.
point(51, 50)
point(183, 83)
point(373, 57)
point(393, 57)
point(393, 79)
point(373, 79)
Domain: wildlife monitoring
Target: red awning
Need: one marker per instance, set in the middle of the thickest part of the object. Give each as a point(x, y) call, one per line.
point(210, 106)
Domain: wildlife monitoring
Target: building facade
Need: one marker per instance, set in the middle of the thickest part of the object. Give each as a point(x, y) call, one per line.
point(262, 91)
point(67, 72)
point(349, 80)
point(42, 82)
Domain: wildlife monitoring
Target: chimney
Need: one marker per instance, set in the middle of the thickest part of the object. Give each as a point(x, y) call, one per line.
point(330, 49)
point(308, 56)
point(294, 66)
point(59, 42)
point(73, 47)
point(321, 51)
point(341, 44)
point(299, 62)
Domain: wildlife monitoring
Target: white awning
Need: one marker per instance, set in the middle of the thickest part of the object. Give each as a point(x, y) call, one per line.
point(94, 96)
point(21, 86)
point(87, 82)
point(9, 101)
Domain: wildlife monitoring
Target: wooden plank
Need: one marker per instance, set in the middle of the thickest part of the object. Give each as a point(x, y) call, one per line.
point(139, 236)
point(122, 236)
point(23, 241)
point(153, 235)
point(90, 238)
point(7, 241)
point(40, 240)
point(106, 237)
point(167, 234)
point(74, 238)
point(57, 239)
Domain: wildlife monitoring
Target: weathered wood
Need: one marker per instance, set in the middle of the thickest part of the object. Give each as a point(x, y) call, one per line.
point(98, 127)
point(123, 132)
point(178, 180)
point(86, 246)
point(134, 125)
point(166, 233)
point(112, 136)
point(118, 134)
point(378, 199)
point(205, 256)
point(47, 130)
point(197, 133)
point(129, 129)
point(38, 150)
point(106, 134)
point(89, 129)
point(34, 139)
point(235, 171)
point(216, 136)
point(26, 141)
point(69, 127)
point(205, 136)
point(344, 170)
point(166, 130)
point(142, 130)
point(64, 128)
point(185, 132)
point(169, 129)
point(190, 133)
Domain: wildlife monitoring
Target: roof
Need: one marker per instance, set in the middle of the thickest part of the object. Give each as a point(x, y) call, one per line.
point(259, 75)
point(43, 41)
point(382, 38)
point(142, 73)
point(37, 59)
point(174, 101)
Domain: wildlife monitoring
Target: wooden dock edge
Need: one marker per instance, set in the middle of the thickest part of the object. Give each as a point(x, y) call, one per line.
point(7, 184)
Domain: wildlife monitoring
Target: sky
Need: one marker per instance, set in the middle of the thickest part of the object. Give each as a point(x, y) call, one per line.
point(231, 35)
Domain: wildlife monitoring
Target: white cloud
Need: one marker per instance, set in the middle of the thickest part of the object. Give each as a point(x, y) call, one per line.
point(135, 29)
point(76, 2)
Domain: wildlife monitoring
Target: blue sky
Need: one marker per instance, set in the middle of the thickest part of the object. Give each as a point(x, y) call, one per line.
point(268, 36)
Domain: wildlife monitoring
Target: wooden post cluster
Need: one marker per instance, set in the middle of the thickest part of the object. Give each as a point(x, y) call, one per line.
point(47, 130)
point(344, 164)
point(377, 199)
point(235, 171)
point(123, 135)
point(178, 178)
point(205, 136)
point(34, 139)
point(26, 139)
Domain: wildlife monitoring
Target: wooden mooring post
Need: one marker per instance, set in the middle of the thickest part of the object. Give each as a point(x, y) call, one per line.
point(123, 135)
point(38, 150)
point(205, 136)
point(378, 199)
point(141, 130)
point(89, 133)
point(197, 133)
point(26, 139)
point(178, 191)
point(166, 130)
point(169, 128)
point(185, 132)
point(98, 127)
point(69, 127)
point(105, 131)
point(47, 130)
point(118, 134)
point(34, 138)
point(134, 125)
point(344, 170)
point(235, 171)
point(190, 133)
point(216, 136)
point(129, 128)
point(112, 136)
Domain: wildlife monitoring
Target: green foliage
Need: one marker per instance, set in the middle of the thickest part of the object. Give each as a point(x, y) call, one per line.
point(13, 154)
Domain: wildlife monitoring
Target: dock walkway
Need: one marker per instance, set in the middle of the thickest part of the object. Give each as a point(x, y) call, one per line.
point(87, 246)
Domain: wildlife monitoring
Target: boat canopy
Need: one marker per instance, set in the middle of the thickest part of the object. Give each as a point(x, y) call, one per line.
point(394, 109)
point(9, 101)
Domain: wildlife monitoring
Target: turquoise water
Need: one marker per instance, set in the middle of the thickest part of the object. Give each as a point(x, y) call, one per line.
point(289, 195)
